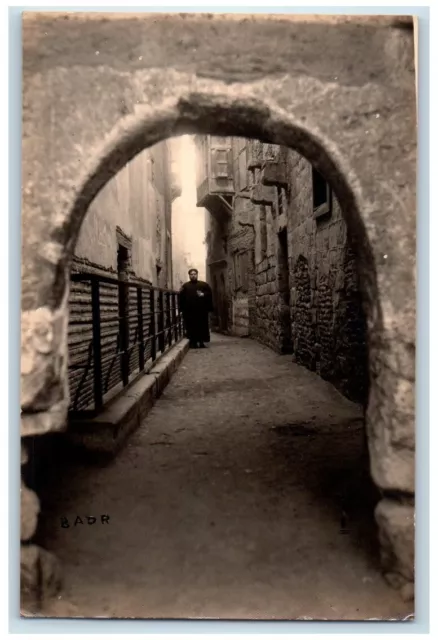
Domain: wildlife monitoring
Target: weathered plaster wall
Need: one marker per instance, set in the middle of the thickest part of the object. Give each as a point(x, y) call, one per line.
point(137, 199)
point(287, 80)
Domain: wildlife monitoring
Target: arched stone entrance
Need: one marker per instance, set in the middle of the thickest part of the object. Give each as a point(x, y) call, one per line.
point(340, 91)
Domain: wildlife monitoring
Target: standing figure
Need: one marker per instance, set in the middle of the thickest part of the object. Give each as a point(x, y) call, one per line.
point(195, 303)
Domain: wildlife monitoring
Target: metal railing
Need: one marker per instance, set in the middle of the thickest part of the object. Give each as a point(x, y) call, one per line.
point(117, 330)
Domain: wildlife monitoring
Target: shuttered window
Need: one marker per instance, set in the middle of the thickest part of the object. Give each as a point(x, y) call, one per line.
point(220, 163)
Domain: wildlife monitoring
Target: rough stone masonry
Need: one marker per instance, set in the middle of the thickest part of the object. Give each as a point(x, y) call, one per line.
point(339, 90)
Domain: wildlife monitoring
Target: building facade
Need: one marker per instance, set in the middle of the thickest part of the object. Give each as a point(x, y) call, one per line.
point(127, 236)
point(279, 259)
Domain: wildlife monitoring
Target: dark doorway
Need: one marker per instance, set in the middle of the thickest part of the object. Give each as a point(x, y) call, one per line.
point(220, 315)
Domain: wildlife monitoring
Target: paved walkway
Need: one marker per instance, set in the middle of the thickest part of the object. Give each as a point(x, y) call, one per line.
point(227, 503)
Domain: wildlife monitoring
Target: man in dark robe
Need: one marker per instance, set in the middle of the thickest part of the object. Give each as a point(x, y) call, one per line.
point(195, 303)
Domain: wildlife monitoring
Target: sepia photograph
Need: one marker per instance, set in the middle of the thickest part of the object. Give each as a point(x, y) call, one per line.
point(218, 316)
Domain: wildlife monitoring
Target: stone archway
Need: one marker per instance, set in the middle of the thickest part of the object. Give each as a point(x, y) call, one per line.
point(86, 113)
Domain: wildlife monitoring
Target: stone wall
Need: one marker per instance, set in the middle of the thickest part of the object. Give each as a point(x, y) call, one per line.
point(267, 327)
point(301, 290)
point(241, 272)
point(328, 322)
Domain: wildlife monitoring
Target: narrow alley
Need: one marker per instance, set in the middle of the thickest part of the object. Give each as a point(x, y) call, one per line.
point(243, 495)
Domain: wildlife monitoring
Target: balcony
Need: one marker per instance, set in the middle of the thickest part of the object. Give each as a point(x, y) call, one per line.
point(218, 203)
point(215, 178)
point(202, 191)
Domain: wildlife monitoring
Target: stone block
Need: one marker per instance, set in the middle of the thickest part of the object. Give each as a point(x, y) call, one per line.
point(334, 258)
point(145, 393)
point(396, 522)
point(392, 465)
point(341, 235)
point(40, 574)
point(333, 236)
point(29, 511)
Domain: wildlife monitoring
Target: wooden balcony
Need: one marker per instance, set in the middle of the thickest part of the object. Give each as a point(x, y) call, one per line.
point(215, 197)
point(202, 191)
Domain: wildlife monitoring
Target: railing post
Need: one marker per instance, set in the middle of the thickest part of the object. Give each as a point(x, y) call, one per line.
point(153, 330)
point(140, 328)
point(124, 330)
point(97, 346)
point(161, 341)
point(168, 319)
point(180, 327)
point(174, 325)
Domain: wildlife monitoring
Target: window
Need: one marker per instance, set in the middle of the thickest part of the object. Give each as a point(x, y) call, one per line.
point(321, 195)
point(124, 248)
point(122, 261)
point(220, 163)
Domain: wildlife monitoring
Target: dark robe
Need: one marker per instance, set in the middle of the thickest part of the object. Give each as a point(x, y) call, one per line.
point(195, 309)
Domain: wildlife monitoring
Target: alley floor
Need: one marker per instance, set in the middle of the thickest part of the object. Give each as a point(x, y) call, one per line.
point(243, 495)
